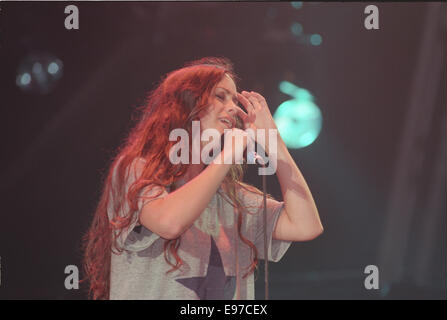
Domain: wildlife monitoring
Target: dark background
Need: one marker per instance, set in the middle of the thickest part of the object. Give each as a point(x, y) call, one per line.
point(56, 146)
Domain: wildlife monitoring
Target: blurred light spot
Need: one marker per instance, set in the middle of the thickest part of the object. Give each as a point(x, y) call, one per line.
point(24, 79)
point(316, 39)
point(39, 73)
point(53, 68)
point(297, 4)
point(299, 120)
point(296, 28)
point(37, 68)
point(294, 91)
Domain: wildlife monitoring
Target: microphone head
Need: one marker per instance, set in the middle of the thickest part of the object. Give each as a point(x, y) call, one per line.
point(251, 157)
point(254, 158)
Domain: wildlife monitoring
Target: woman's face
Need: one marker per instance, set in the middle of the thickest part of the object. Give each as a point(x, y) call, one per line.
point(224, 107)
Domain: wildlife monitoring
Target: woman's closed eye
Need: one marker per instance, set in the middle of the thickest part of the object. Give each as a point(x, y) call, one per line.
point(237, 103)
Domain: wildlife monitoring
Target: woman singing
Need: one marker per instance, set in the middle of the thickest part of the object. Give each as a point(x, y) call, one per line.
point(165, 230)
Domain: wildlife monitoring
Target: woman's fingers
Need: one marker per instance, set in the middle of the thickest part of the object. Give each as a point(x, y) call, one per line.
point(254, 100)
point(248, 106)
point(253, 103)
point(245, 102)
point(257, 105)
point(260, 99)
point(241, 113)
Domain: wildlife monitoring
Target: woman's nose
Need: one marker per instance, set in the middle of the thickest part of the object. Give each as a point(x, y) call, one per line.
point(232, 108)
point(234, 111)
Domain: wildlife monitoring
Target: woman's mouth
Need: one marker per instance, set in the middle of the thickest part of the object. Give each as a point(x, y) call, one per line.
point(226, 122)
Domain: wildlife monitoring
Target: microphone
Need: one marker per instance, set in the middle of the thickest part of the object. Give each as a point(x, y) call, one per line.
point(254, 158)
point(251, 157)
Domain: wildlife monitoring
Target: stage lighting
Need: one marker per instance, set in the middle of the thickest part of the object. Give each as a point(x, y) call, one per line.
point(39, 73)
point(299, 120)
point(297, 4)
point(316, 39)
point(296, 28)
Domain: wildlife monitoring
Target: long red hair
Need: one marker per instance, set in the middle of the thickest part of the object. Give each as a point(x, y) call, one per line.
point(177, 100)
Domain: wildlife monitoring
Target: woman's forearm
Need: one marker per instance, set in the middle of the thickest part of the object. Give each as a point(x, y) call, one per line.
point(304, 220)
point(171, 215)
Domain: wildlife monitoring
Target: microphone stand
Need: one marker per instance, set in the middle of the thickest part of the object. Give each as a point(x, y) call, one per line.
point(266, 260)
point(254, 158)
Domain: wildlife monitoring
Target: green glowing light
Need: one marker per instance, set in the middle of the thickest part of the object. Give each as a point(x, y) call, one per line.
point(296, 28)
point(297, 4)
point(299, 120)
point(316, 39)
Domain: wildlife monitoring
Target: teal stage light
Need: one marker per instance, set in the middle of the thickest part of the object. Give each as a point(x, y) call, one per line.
point(297, 4)
point(316, 39)
point(296, 28)
point(299, 120)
